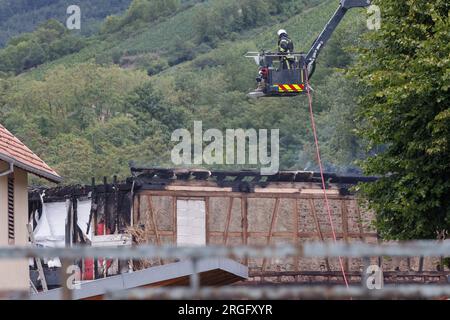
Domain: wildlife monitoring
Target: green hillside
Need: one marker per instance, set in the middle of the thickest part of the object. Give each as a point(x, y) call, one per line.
point(119, 95)
point(18, 16)
point(91, 102)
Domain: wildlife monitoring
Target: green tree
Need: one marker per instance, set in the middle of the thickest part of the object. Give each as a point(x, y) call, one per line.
point(147, 104)
point(150, 10)
point(50, 41)
point(404, 70)
point(339, 143)
point(72, 157)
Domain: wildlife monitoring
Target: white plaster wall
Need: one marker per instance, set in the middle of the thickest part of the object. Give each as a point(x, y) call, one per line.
point(191, 223)
point(14, 274)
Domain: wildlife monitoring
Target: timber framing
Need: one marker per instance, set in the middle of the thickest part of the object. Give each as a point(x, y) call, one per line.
point(242, 208)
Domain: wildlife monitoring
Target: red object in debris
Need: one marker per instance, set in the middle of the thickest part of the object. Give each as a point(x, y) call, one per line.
point(101, 229)
point(89, 270)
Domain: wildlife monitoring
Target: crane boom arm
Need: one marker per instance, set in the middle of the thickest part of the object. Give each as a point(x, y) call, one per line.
point(326, 33)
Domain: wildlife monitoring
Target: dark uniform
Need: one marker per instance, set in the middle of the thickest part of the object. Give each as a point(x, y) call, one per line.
point(285, 46)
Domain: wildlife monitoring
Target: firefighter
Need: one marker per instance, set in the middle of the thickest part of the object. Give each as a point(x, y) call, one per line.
point(285, 47)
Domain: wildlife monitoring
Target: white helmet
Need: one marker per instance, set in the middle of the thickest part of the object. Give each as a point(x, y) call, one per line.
point(281, 31)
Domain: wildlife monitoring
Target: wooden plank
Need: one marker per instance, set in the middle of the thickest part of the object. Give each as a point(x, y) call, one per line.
point(153, 220)
point(221, 194)
point(197, 189)
point(161, 233)
point(362, 235)
point(96, 271)
point(319, 230)
point(344, 217)
point(69, 224)
point(278, 190)
point(138, 217)
point(228, 221)
point(106, 213)
point(133, 215)
point(155, 227)
point(272, 226)
point(38, 260)
point(320, 191)
point(245, 233)
point(257, 190)
point(316, 219)
point(421, 261)
point(296, 232)
point(359, 216)
point(344, 220)
point(274, 220)
point(117, 218)
point(191, 198)
point(175, 220)
point(207, 220)
point(229, 189)
point(280, 234)
point(113, 240)
point(93, 207)
point(95, 231)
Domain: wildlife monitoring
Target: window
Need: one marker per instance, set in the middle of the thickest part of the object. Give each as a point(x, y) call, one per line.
point(191, 223)
point(11, 232)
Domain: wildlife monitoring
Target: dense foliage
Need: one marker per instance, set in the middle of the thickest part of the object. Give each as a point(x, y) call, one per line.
point(79, 120)
point(90, 105)
point(19, 16)
point(50, 41)
point(119, 98)
point(224, 19)
point(141, 11)
point(405, 116)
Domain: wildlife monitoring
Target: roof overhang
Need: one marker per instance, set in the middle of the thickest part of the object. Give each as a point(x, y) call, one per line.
point(30, 169)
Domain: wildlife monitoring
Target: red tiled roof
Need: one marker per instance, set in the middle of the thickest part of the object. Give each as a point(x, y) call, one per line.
point(13, 150)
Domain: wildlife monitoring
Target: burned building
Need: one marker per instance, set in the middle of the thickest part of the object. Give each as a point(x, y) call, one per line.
point(201, 207)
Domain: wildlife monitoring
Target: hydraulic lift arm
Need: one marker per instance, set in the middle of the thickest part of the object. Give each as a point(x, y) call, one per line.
point(331, 26)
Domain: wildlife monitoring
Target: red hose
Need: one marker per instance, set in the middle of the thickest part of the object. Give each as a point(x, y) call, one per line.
point(319, 160)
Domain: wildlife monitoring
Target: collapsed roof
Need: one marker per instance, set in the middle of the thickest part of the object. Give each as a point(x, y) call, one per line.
point(239, 180)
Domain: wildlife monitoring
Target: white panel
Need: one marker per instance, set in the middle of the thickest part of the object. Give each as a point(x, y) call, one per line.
point(50, 230)
point(83, 214)
point(191, 223)
point(113, 240)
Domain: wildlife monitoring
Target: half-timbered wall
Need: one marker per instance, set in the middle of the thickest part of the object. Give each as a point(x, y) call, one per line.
point(267, 218)
point(236, 219)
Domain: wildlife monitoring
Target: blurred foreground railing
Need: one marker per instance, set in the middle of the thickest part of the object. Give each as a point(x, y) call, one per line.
point(306, 250)
point(285, 291)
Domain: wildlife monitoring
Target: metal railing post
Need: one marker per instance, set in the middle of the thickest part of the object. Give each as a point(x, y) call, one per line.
point(195, 277)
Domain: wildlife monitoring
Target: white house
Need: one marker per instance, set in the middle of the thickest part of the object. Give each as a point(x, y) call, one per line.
point(16, 162)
